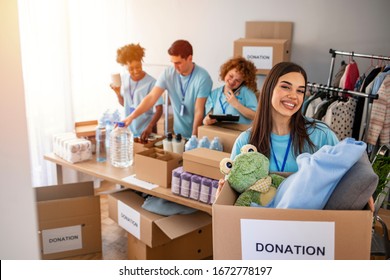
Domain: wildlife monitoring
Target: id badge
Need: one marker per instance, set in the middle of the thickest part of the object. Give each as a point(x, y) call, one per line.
point(182, 109)
point(132, 109)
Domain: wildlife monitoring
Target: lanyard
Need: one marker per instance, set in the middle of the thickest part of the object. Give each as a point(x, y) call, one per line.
point(183, 90)
point(285, 156)
point(132, 93)
point(220, 102)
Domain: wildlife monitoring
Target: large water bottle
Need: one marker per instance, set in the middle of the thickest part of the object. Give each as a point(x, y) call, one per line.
point(216, 144)
point(100, 136)
point(204, 143)
point(192, 143)
point(121, 146)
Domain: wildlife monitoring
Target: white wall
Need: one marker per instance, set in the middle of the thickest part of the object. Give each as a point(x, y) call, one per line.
point(212, 26)
point(18, 234)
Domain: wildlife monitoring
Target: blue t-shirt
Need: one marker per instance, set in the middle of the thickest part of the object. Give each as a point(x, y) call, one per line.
point(217, 102)
point(133, 93)
point(320, 135)
point(196, 85)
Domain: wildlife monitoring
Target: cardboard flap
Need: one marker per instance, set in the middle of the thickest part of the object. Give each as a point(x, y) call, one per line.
point(64, 191)
point(205, 156)
point(179, 225)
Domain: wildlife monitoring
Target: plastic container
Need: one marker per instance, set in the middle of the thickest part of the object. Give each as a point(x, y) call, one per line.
point(167, 143)
point(205, 190)
point(214, 188)
point(109, 128)
point(178, 144)
point(216, 144)
point(196, 180)
point(100, 136)
point(185, 184)
point(191, 144)
point(121, 146)
point(176, 180)
point(204, 143)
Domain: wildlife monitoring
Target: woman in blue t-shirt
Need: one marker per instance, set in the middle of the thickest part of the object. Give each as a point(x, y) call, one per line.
point(237, 96)
point(279, 130)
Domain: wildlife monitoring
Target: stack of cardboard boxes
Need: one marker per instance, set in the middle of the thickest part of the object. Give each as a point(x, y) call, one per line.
point(265, 44)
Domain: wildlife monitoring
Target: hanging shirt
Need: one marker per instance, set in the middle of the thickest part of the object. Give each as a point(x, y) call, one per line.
point(320, 135)
point(133, 93)
point(217, 102)
point(197, 85)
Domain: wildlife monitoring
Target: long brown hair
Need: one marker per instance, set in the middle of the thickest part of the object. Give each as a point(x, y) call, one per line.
point(262, 124)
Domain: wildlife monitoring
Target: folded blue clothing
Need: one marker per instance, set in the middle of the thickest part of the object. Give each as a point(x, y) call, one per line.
point(317, 176)
point(164, 207)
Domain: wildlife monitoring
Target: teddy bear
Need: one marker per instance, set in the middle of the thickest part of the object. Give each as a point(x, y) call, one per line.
point(248, 174)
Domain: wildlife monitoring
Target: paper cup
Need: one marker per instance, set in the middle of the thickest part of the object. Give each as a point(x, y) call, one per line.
point(116, 80)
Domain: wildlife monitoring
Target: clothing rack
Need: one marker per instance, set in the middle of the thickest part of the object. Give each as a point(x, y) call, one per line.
point(341, 90)
point(351, 54)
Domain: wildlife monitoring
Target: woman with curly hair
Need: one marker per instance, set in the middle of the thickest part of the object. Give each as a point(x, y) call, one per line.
point(135, 85)
point(237, 96)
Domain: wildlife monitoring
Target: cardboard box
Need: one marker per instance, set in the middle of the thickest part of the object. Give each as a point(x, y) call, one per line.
point(158, 237)
point(155, 166)
point(265, 233)
point(227, 133)
point(204, 162)
point(196, 245)
point(161, 124)
point(86, 129)
point(264, 53)
point(140, 147)
point(270, 30)
point(69, 220)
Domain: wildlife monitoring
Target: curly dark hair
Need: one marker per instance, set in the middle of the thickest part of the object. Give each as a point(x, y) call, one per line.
point(245, 67)
point(130, 53)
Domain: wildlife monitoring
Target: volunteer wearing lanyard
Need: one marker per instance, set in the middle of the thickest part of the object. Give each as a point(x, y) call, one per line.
point(237, 96)
point(188, 86)
point(279, 130)
point(135, 85)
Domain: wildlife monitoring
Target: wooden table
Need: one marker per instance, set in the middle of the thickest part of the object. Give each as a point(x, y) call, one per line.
point(106, 171)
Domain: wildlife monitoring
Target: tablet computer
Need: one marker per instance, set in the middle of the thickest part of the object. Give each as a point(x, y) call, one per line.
point(225, 118)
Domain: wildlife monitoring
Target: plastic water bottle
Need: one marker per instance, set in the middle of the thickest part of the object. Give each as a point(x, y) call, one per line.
point(121, 146)
point(216, 144)
point(192, 143)
point(109, 128)
point(204, 143)
point(100, 137)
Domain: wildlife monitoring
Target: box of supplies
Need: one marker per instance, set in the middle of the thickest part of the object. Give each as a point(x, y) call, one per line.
point(284, 234)
point(69, 220)
point(264, 53)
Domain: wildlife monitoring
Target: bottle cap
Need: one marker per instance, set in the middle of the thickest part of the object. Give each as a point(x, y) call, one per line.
point(169, 136)
point(121, 124)
point(178, 137)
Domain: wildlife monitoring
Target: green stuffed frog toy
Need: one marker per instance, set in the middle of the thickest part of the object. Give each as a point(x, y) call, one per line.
point(248, 174)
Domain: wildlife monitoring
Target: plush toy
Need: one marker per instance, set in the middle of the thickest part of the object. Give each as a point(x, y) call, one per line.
point(249, 175)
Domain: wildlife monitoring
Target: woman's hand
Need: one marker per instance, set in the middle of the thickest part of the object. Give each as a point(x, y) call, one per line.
point(209, 121)
point(371, 204)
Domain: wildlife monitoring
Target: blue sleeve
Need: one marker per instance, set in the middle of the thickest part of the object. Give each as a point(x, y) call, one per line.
point(241, 140)
point(250, 99)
